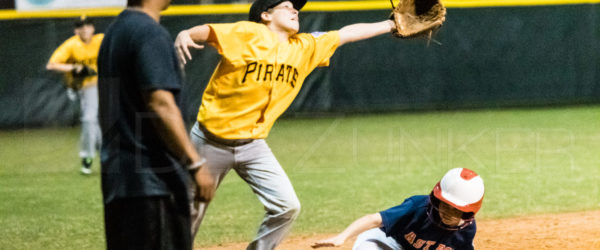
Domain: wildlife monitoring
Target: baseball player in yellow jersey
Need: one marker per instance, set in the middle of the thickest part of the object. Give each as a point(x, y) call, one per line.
point(76, 58)
point(264, 63)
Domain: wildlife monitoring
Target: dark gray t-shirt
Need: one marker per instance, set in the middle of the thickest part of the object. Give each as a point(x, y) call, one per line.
point(136, 56)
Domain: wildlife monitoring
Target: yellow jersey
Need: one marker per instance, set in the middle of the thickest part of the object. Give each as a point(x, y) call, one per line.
point(258, 77)
point(75, 51)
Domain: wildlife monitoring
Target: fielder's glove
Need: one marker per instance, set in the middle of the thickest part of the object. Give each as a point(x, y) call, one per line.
point(414, 18)
point(83, 71)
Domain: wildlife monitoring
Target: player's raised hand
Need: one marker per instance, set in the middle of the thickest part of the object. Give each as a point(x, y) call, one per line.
point(331, 242)
point(182, 44)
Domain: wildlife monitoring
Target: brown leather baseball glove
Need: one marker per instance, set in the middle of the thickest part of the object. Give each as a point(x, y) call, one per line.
point(415, 18)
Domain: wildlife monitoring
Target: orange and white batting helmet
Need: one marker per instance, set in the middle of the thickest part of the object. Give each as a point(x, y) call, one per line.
point(461, 188)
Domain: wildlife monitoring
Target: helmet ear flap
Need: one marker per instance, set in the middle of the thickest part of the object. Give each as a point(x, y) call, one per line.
point(434, 216)
point(468, 216)
point(434, 200)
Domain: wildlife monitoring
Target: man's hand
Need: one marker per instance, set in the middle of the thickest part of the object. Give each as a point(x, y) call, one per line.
point(331, 242)
point(182, 44)
point(206, 184)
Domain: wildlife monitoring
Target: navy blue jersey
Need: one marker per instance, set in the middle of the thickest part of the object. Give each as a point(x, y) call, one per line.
point(136, 57)
point(410, 226)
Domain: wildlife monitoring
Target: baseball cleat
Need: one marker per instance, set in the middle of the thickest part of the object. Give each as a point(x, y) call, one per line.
point(86, 171)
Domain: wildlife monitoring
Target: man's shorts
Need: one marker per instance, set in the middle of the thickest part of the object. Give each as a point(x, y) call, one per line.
point(147, 223)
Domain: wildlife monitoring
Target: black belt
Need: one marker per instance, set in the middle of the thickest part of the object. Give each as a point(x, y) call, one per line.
point(226, 142)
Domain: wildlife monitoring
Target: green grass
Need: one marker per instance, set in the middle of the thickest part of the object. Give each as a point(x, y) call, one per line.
point(45, 202)
point(532, 161)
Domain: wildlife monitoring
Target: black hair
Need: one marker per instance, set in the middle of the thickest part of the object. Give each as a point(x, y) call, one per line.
point(134, 3)
point(81, 21)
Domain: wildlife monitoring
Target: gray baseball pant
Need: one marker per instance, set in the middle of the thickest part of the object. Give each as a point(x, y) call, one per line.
point(254, 163)
point(375, 239)
point(91, 136)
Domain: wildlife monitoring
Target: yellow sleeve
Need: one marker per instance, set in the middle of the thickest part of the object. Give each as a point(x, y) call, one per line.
point(99, 36)
point(325, 44)
point(62, 53)
point(97, 40)
point(233, 38)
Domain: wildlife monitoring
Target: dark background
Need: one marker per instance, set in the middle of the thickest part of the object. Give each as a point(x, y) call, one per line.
point(489, 58)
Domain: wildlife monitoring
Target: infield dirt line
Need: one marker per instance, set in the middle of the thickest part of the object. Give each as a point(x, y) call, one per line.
point(580, 230)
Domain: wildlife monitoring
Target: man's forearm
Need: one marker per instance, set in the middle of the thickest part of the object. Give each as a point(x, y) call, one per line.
point(170, 127)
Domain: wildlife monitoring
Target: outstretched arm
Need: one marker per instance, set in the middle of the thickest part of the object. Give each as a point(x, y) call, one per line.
point(190, 38)
point(361, 31)
point(59, 61)
point(63, 67)
point(358, 226)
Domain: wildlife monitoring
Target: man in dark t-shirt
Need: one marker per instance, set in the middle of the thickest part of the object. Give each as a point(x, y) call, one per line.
point(442, 220)
point(148, 157)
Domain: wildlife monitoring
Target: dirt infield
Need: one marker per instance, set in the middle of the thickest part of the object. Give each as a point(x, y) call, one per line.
point(554, 231)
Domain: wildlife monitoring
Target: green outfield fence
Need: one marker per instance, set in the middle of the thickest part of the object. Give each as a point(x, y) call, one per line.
point(493, 54)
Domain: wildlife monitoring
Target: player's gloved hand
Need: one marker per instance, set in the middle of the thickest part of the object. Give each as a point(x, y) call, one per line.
point(331, 242)
point(182, 44)
point(81, 70)
point(416, 18)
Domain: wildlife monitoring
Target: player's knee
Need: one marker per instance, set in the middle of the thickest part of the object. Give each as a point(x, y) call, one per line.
point(287, 210)
point(292, 209)
point(296, 209)
point(368, 245)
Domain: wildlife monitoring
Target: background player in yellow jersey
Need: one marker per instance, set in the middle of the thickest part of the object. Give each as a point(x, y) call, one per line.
point(264, 63)
point(76, 58)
